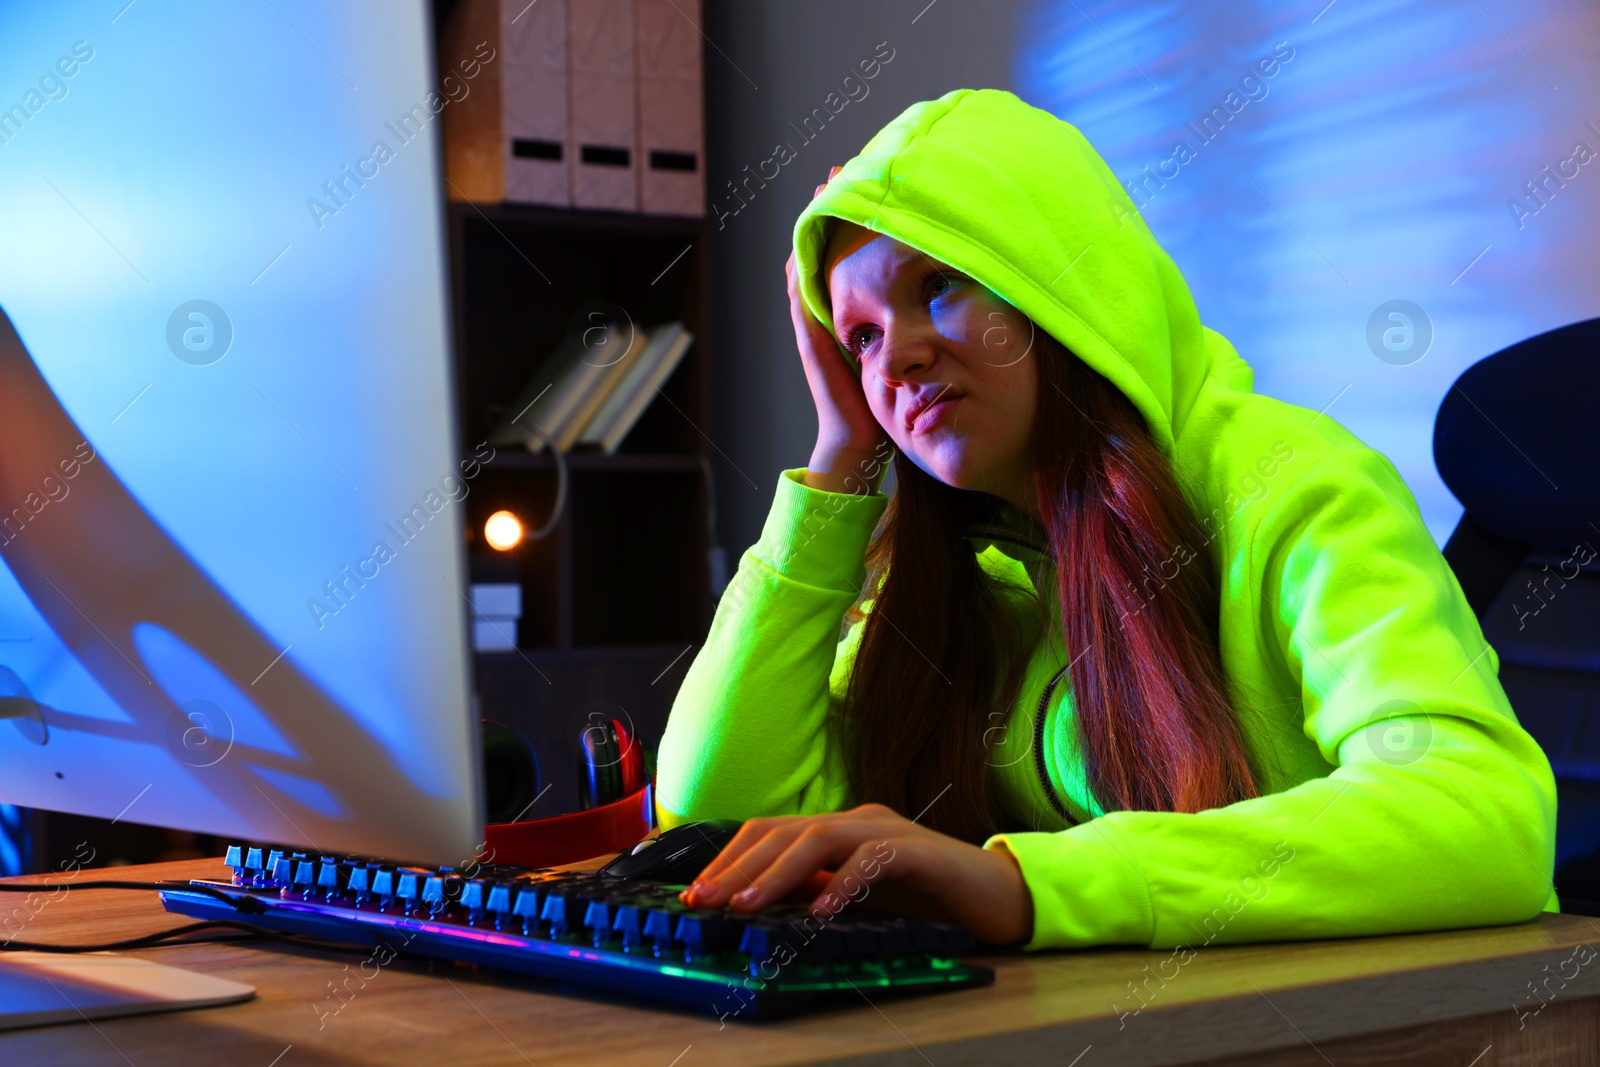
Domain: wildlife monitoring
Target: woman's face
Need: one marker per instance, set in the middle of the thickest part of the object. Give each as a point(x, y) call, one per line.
point(947, 366)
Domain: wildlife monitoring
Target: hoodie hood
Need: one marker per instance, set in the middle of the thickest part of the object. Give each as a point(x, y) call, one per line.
point(1019, 200)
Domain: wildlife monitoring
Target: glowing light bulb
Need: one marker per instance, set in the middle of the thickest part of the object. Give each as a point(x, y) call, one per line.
point(503, 531)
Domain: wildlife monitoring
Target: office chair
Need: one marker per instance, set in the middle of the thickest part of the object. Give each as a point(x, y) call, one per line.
point(1517, 440)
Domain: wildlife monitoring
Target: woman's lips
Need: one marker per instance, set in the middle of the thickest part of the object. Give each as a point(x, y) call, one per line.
point(935, 413)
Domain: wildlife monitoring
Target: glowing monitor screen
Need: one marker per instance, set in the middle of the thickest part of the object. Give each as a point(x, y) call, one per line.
point(231, 570)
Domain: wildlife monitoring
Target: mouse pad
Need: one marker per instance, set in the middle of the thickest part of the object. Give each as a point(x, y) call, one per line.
point(44, 987)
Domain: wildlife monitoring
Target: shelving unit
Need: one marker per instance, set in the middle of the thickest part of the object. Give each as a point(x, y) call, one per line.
point(619, 591)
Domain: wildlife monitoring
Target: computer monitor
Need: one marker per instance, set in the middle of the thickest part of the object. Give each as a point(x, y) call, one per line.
point(233, 589)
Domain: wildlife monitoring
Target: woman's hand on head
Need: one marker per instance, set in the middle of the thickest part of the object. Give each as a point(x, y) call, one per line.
point(851, 447)
point(769, 858)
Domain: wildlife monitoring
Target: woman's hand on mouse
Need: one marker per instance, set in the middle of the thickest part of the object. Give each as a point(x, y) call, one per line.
point(849, 454)
point(980, 888)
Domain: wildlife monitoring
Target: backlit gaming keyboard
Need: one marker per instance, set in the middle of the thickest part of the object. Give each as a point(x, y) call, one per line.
point(590, 929)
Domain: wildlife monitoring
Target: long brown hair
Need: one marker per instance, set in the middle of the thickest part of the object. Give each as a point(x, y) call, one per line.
point(944, 645)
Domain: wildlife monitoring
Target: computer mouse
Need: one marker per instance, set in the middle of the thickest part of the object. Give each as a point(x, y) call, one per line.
point(674, 856)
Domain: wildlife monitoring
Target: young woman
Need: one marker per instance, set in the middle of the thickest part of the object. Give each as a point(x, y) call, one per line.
point(1134, 654)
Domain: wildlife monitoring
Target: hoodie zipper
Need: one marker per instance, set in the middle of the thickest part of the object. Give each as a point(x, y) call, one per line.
point(1038, 746)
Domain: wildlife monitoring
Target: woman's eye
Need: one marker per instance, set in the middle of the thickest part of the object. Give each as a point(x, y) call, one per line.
point(861, 337)
point(940, 284)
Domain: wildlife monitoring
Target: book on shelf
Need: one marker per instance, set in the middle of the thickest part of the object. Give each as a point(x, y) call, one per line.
point(633, 390)
point(586, 393)
point(614, 369)
point(564, 383)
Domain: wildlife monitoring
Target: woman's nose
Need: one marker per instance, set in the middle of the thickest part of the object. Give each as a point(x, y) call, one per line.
point(903, 353)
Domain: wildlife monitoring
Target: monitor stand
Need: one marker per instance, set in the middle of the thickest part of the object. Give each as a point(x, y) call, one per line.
point(37, 988)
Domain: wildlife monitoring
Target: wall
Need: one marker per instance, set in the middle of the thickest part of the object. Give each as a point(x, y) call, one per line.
point(1402, 150)
point(769, 64)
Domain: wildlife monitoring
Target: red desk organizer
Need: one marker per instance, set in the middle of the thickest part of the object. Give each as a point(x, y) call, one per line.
point(577, 836)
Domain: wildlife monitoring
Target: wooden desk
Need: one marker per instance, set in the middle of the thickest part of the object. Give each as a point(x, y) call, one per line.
point(1434, 998)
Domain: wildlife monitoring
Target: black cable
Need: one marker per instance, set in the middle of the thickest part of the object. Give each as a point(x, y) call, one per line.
point(242, 902)
point(168, 939)
point(148, 939)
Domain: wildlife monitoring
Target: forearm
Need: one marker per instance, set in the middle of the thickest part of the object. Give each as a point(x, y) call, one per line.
point(1460, 838)
point(748, 733)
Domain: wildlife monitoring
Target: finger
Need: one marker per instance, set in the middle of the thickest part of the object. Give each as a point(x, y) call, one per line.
point(808, 329)
point(801, 314)
point(870, 863)
point(713, 889)
point(749, 851)
point(748, 836)
point(820, 845)
point(827, 356)
point(832, 171)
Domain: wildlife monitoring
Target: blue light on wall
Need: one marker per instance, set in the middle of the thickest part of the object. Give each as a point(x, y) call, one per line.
point(1307, 165)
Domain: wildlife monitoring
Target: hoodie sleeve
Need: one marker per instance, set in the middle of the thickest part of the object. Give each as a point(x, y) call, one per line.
point(747, 735)
point(1440, 809)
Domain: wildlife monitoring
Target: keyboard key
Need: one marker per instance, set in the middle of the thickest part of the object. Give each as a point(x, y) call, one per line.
point(763, 939)
point(563, 910)
point(527, 908)
point(408, 891)
point(474, 899)
point(629, 925)
point(658, 927)
point(957, 939)
point(382, 887)
point(499, 905)
point(305, 877)
point(893, 939)
point(597, 917)
point(700, 932)
point(825, 944)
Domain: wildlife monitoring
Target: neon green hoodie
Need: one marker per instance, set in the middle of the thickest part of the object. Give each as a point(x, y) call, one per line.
point(1398, 791)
